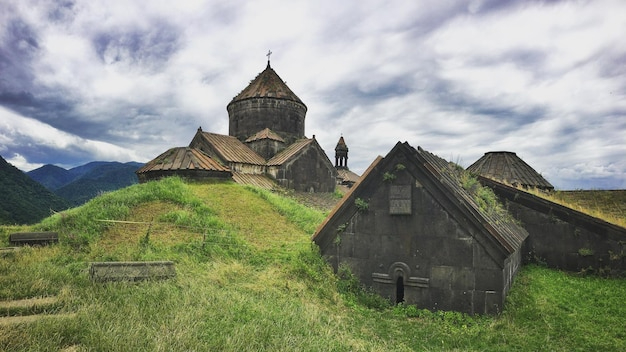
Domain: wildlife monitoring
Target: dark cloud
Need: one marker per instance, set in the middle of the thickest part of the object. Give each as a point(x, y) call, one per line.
point(17, 99)
point(62, 11)
point(43, 154)
point(147, 48)
point(53, 111)
point(448, 96)
point(526, 59)
point(17, 51)
point(613, 64)
point(22, 37)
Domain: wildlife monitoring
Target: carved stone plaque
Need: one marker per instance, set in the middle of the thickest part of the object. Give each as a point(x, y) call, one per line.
point(400, 200)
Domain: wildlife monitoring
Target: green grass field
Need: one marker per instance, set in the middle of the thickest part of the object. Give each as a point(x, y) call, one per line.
point(249, 279)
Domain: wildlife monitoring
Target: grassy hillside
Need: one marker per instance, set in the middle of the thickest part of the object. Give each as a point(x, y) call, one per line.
point(248, 279)
point(607, 205)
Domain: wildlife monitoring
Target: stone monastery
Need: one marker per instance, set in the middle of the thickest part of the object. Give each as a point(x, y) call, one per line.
point(266, 145)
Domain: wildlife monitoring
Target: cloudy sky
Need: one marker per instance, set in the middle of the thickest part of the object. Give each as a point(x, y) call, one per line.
point(126, 80)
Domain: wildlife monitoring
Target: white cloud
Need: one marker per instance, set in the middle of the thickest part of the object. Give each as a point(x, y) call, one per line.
point(18, 129)
point(21, 163)
point(128, 81)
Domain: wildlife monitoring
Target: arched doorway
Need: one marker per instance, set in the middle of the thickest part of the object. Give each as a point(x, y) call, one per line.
point(399, 289)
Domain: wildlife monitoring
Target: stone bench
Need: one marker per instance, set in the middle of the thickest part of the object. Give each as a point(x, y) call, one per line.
point(33, 238)
point(131, 271)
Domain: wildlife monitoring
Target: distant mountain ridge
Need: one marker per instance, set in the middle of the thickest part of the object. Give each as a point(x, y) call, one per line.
point(23, 200)
point(79, 184)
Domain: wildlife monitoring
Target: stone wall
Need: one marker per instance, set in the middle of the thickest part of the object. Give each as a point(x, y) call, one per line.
point(564, 238)
point(266, 147)
point(310, 171)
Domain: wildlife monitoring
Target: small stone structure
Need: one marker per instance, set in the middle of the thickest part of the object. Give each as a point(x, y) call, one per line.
point(409, 231)
point(131, 271)
point(345, 177)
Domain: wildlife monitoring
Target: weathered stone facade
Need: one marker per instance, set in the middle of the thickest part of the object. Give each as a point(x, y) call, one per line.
point(310, 171)
point(266, 148)
point(285, 117)
point(564, 238)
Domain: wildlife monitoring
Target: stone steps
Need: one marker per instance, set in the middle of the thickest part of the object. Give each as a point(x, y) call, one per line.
point(29, 310)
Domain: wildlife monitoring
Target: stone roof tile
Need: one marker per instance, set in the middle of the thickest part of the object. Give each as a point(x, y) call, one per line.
point(509, 168)
point(182, 158)
point(267, 85)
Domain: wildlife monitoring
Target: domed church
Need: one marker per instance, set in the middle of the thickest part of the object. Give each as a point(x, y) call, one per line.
point(265, 146)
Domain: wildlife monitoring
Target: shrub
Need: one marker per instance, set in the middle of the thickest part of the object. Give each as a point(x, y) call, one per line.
point(353, 291)
point(361, 205)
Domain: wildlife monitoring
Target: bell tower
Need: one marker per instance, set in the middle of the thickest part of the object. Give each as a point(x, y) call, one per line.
point(341, 154)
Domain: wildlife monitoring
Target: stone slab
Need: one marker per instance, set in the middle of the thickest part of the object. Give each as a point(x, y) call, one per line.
point(131, 271)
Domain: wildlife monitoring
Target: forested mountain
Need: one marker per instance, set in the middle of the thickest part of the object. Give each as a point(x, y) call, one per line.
point(51, 176)
point(79, 184)
point(22, 200)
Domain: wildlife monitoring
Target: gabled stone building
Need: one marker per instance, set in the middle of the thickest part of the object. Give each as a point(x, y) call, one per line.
point(411, 232)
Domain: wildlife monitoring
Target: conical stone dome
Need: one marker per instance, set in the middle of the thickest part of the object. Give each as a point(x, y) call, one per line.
point(266, 102)
point(509, 168)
